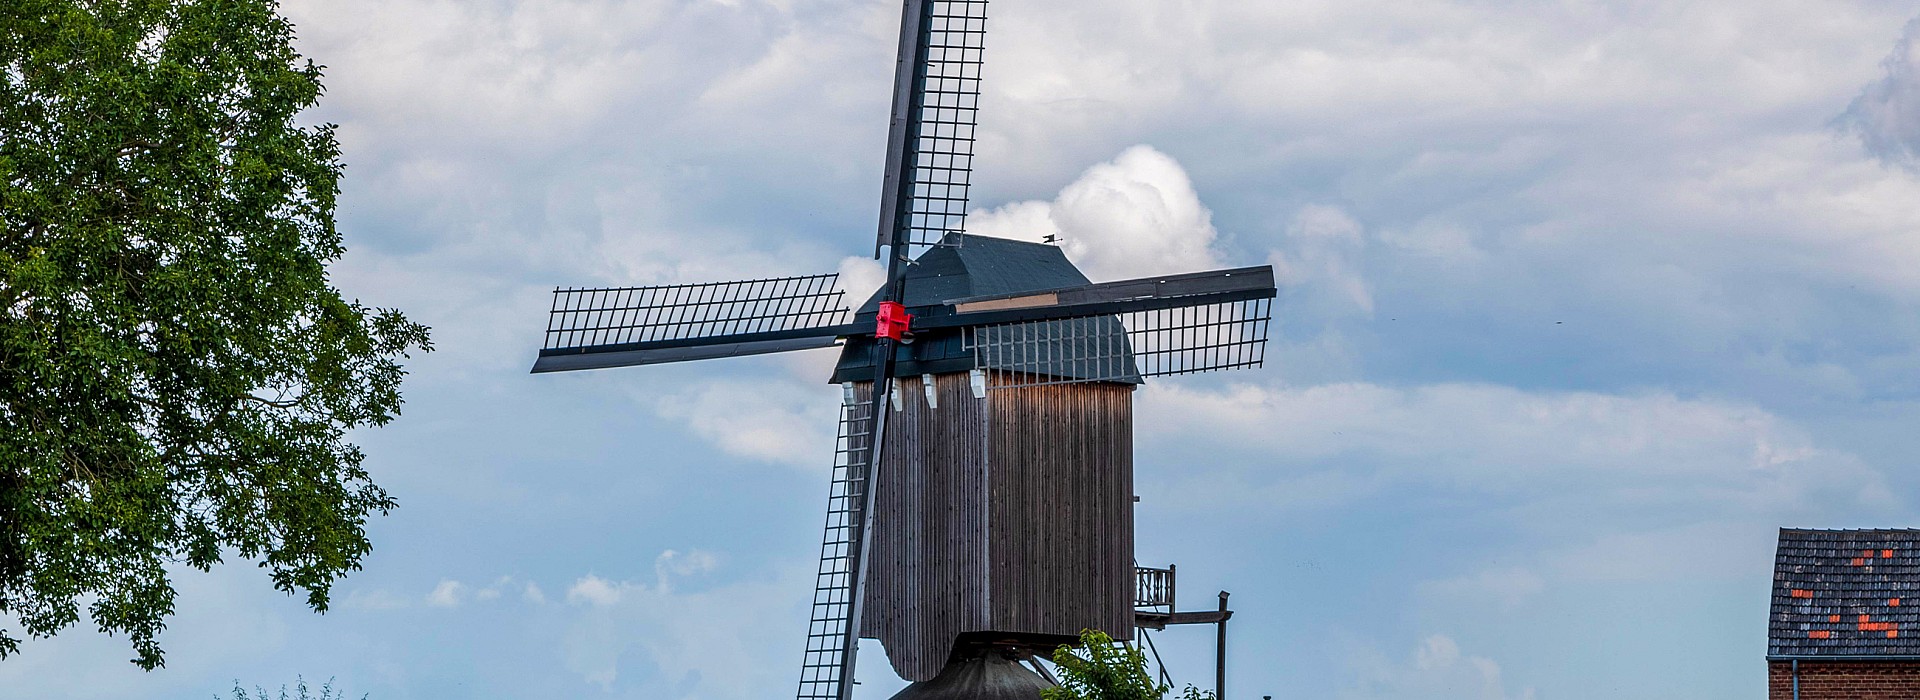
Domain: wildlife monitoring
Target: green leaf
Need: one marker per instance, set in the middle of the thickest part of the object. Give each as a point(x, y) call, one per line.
point(178, 377)
point(1102, 669)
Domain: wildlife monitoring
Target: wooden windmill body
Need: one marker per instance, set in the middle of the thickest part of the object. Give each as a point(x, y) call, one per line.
point(1009, 516)
point(982, 488)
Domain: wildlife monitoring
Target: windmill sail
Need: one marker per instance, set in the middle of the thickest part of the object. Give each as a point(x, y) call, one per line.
point(1123, 331)
point(1124, 347)
point(936, 107)
point(831, 622)
point(929, 169)
point(624, 326)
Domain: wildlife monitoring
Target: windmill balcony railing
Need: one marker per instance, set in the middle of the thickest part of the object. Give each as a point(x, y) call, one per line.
point(1152, 587)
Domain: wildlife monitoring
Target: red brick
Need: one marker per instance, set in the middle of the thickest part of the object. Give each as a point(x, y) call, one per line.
point(1845, 680)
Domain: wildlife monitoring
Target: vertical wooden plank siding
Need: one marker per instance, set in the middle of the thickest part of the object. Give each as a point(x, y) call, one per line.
point(1061, 508)
point(927, 575)
point(1011, 514)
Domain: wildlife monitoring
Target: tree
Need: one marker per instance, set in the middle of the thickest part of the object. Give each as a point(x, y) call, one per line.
point(1102, 669)
point(177, 375)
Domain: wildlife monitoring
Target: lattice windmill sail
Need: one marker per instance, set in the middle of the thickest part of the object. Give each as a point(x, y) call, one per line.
point(936, 107)
point(625, 326)
point(981, 497)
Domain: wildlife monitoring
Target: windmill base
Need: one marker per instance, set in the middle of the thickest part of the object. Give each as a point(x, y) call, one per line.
point(980, 672)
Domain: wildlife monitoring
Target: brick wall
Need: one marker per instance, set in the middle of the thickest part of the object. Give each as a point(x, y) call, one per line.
point(1845, 680)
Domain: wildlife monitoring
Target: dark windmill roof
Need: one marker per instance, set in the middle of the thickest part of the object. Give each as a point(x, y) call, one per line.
point(987, 677)
point(983, 266)
point(979, 266)
point(1846, 593)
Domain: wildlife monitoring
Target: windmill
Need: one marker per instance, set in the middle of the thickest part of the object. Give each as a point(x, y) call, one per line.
point(980, 505)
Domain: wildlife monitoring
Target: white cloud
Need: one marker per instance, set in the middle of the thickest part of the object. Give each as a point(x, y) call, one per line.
point(729, 641)
point(1640, 448)
point(1438, 669)
point(448, 594)
point(1304, 76)
point(1607, 487)
point(593, 590)
point(860, 277)
point(783, 420)
point(669, 565)
point(1887, 113)
point(375, 599)
point(1134, 216)
point(674, 564)
point(1322, 256)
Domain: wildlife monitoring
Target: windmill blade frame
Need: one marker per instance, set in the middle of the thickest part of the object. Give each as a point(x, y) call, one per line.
point(930, 139)
point(1122, 331)
point(1125, 347)
point(833, 612)
point(597, 328)
point(923, 202)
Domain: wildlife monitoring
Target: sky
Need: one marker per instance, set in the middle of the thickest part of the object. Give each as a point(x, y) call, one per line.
point(1580, 302)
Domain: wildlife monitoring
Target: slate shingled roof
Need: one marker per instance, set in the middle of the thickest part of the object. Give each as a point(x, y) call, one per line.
point(1846, 593)
point(983, 266)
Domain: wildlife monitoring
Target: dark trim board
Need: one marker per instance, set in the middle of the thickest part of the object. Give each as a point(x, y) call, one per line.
point(1161, 287)
point(1160, 620)
point(567, 362)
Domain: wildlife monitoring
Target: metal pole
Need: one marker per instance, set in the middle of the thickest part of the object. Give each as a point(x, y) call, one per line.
point(1220, 652)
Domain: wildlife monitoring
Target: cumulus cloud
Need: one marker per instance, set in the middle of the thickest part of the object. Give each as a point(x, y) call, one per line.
point(1133, 216)
point(496, 150)
point(786, 420)
point(1302, 79)
point(860, 277)
point(1887, 113)
point(593, 590)
point(448, 594)
point(1510, 161)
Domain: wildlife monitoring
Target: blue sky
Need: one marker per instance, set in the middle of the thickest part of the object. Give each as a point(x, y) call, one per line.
point(1581, 300)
